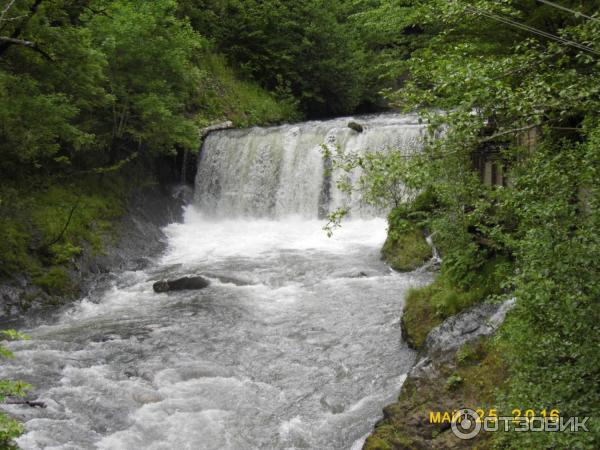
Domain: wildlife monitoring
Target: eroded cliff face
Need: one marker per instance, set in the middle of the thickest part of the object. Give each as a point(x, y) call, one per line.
point(135, 239)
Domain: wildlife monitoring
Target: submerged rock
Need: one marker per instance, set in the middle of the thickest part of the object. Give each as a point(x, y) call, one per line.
point(229, 280)
point(181, 284)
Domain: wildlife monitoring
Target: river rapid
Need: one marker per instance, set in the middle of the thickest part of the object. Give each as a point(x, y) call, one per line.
point(296, 343)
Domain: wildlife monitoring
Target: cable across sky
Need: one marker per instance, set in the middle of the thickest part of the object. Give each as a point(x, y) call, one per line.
point(564, 8)
point(524, 27)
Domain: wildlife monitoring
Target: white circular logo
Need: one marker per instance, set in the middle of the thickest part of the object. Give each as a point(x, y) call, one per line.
point(466, 425)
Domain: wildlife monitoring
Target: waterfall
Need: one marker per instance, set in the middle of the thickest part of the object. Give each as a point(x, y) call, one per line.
point(294, 344)
point(280, 171)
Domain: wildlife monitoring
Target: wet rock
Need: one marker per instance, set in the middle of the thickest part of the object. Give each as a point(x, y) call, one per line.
point(218, 126)
point(28, 402)
point(428, 388)
point(181, 284)
point(482, 320)
point(135, 238)
point(356, 127)
point(358, 273)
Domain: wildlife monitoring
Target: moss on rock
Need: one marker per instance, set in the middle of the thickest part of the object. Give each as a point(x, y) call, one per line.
point(405, 250)
point(427, 307)
point(55, 281)
point(407, 424)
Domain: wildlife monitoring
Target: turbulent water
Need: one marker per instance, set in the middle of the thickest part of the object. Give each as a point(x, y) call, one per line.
point(279, 171)
point(296, 343)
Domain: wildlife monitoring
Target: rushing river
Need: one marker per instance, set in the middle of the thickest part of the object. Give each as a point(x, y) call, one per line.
point(299, 347)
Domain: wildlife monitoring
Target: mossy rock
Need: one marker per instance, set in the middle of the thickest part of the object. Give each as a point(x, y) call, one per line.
point(406, 250)
point(376, 443)
point(407, 423)
point(356, 127)
point(427, 307)
point(55, 281)
point(418, 317)
point(388, 437)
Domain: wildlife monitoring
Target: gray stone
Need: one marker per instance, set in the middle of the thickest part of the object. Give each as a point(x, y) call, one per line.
point(454, 332)
point(356, 127)
point(181, 284)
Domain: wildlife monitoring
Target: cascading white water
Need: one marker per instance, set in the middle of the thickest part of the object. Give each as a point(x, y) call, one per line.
point(302, 352)
point(280, 171)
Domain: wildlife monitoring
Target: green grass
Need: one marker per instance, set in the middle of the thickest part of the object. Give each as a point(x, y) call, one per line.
point(45, 227)
point(227, 97)
point(429, 306)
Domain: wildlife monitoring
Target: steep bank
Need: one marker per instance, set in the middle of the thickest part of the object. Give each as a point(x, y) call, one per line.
point(458, 365)
point(457, 368)
point(129, 242)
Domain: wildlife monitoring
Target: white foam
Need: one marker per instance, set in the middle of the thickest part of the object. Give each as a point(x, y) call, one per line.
point(202, 239)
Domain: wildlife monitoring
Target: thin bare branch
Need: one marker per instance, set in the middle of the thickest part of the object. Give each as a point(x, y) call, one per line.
point(507, 132)
point(32, 45)
point(5, 10)
point(67, 223)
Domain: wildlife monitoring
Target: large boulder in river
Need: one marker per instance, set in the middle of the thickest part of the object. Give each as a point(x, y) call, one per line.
point(356, 127)
point(181, 284)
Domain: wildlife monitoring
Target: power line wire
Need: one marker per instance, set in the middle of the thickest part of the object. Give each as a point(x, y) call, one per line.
point(564, 8)
point(537, 31)
point(533, 30)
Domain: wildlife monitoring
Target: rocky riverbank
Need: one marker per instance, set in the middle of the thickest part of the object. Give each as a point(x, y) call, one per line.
point(134, 239)
point(457, 368)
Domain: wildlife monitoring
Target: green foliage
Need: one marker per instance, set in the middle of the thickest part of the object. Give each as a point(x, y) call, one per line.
point(152, 76)
point(306, 48)
point(495, 83)
point(429, 306)
point(51, 225)
point(386, 178)
point(55, 281)
point(552, 337)
point(224, 96)
point(107, 81)
point(89, 213)
point(13, 247)
point(390, 31)
point(10, 428)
